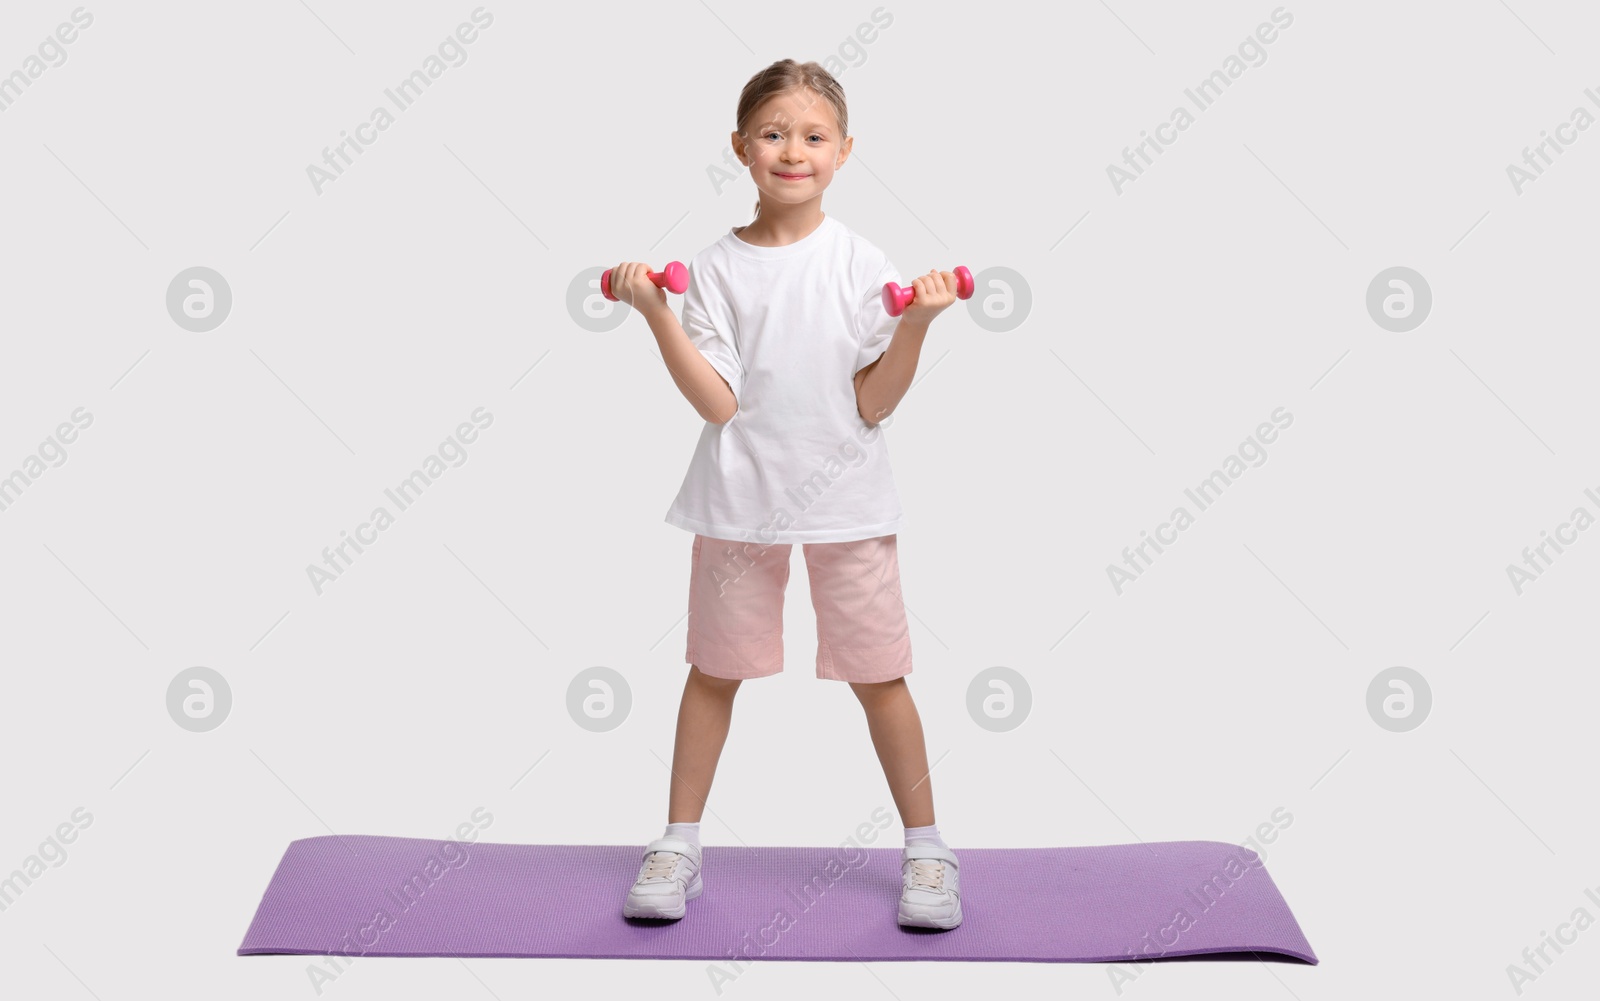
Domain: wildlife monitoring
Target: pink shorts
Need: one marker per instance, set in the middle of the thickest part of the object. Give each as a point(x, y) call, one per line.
point(736, 608)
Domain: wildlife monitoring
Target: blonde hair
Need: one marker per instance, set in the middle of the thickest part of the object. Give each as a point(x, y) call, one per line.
point(784, 76)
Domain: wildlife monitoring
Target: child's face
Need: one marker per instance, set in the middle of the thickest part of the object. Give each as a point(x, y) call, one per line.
point(795, 133)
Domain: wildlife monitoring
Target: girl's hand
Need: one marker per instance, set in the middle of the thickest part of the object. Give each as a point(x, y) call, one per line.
point(936, 290)
point(630, 282)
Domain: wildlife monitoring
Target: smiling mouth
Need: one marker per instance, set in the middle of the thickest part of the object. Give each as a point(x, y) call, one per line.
point(791, 177)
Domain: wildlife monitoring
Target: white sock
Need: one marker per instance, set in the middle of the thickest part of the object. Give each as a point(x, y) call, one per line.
point(688, 832)
point(924, 836)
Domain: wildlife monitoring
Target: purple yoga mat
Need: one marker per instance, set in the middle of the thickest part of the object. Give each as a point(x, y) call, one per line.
point(363, 895)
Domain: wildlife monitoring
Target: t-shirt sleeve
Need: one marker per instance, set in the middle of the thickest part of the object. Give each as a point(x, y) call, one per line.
point(874, 326)
point(706, 320)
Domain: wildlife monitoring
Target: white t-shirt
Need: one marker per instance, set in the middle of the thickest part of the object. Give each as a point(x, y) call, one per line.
point(789, 327)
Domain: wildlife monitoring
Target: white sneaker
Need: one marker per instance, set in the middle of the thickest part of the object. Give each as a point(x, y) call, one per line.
point(668, 877)
point(930, 895)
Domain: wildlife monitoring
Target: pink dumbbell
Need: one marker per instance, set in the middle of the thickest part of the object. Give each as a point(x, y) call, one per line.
point(674, 278)
point(896, 299)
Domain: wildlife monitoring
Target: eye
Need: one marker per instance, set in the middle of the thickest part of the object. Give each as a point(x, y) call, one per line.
point(769, 134)
point(816, 137)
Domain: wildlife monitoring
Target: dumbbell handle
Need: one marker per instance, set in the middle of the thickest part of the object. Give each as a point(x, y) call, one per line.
point(674, 278)
point(896, 299)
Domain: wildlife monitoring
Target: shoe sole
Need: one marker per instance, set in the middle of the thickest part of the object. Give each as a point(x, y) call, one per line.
point(924, 920)
point(634, 908)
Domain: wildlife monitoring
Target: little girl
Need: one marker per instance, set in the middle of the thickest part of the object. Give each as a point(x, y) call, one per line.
point(787, 351)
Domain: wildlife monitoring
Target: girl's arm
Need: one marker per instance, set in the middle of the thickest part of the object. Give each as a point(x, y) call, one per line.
point(880, 385)
point(703, 386)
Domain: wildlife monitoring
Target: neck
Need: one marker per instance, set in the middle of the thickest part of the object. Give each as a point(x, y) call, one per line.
point(778, 225)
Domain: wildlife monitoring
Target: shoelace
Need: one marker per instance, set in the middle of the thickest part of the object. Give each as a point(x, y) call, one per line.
point(927, 873)
point(660, 865)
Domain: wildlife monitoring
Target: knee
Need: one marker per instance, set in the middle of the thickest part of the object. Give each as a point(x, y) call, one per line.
point(872, 692)
point(725, 686)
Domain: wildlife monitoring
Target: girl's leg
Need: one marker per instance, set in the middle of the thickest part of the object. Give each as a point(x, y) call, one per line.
point(703, 718)
point(897, 734)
